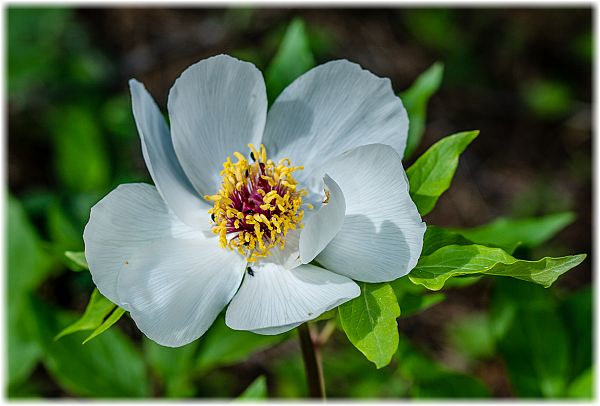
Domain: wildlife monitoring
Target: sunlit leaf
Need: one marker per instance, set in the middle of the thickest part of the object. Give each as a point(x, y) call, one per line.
point(583, 386)
point(292, 59)
point(369, 321)
point(433, 270)
point(507, 233)
point(432, 172)
point(256, 390)
point(96, 311)
point(106, 324)
point(415, 100)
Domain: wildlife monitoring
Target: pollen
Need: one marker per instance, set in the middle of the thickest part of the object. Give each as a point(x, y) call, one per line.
point(258, 204)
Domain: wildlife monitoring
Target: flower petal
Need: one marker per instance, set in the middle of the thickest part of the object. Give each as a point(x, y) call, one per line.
point(217, 106)
point(175, 289)
point(275, 299)
point(289, 256)
point(331, 109)
point(271, 331)
point(323, 225)
point(157, 148)
point(382, 235)
point(127, 219)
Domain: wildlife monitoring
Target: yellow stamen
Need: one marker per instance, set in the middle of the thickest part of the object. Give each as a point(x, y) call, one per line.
point(274, 210)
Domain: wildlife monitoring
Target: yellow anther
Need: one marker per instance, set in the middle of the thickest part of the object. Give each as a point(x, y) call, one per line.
point(267, 225)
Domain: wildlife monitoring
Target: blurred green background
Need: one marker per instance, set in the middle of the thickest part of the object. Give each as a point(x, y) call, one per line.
point(521, 76)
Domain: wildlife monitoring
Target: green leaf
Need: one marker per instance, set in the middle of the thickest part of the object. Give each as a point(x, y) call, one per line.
point(473, 336)
point(548, 99)
point(24, 350)
point(292, 59)
point(107, 367)
point(96, 311)
point(437, 237)
point(534, 343)
point(110, 320)
point(173, 366)
point(582, 386)
point(452, 385)
point(221, 345)
point(369, 321)
point(28, 266)
point(578, 313)
point(432, 173)
point(430, 379)
point(413, 298)
point(329, 314)
point(64, 234)
point(28, 390)
point(507, 233)
point(35, 36)
point(413, 304)
point(415, 100)
point(256, 390)
point(77, 260)
point(432, 271)
point(81, 157)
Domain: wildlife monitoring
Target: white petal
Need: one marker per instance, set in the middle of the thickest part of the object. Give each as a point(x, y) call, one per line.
point(271, 331)
point(124, 221)
point(217, 106)
point(323, 225)
point(382, 235)
point(175, 289)
point(289, 257)
point(157, 148)
point(281, 298)
point(331, 109)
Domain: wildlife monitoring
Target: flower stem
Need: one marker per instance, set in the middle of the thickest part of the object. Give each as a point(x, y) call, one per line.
point(327, 331)
point(312, 363)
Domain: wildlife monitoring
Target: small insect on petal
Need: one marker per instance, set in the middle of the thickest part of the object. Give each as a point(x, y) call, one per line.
point(250, 271)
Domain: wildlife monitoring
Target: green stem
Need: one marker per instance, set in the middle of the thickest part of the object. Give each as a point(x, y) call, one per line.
point(312, 363)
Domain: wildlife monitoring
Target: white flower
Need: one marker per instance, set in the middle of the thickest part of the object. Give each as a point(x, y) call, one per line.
point(174, 256)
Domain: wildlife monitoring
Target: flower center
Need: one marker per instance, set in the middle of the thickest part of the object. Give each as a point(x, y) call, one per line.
point(259, 202)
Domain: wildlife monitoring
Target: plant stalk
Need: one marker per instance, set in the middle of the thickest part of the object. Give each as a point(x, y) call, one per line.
point(312, 363)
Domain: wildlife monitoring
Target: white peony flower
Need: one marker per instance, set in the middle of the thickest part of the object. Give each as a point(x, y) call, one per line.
point(233, 224)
